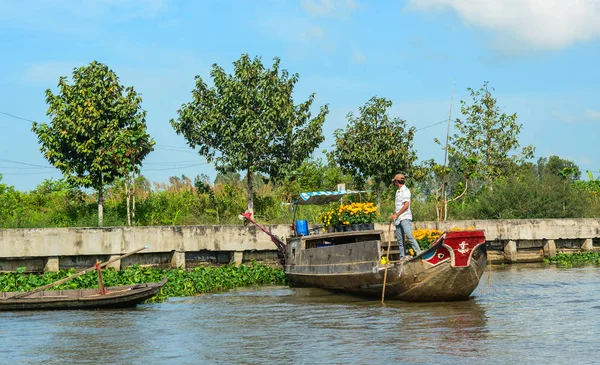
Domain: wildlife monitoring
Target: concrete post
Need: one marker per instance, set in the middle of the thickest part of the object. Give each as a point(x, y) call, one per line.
point(510, 251)
point(550, 248)
point(178, 260)
point(588, 245)
point(52, 264)
point(237, 257)
point(115, 265)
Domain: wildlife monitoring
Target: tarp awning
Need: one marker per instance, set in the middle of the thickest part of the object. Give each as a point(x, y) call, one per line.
point(324, 197)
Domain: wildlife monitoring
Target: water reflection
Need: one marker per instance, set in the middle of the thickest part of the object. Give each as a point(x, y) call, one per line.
point(87, 335)
point(519, 316)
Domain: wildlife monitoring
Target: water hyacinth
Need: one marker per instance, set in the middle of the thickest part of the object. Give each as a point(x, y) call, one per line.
point(180, 282)
point(575, 259)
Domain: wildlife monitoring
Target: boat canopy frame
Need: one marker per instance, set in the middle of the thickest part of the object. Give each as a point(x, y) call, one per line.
point(323, 197)
point(319, 198)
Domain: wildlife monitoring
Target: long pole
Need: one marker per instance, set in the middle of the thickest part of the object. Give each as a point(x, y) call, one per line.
point(443, 202)
point(21, 295)
point(387, 261)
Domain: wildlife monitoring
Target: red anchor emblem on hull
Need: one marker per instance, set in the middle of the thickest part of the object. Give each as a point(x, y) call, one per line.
point(461, 245)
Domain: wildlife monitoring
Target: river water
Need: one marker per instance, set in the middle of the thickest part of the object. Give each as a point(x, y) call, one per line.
point(521, 314)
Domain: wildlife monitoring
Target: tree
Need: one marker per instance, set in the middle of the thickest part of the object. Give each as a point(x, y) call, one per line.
point(447, 184)
point(312, 175)
point(97, 131)
point(10, 200)
point(374, 146)
point(202, 184)
point(248, 121)
point(487, 136)
point(557, 166)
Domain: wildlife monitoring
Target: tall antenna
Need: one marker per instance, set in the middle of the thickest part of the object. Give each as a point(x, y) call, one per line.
point(443, 203)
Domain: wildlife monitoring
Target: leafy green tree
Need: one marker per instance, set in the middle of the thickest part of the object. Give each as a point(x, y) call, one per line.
point(97, 131)
point(9, 205)
point(312, 175)
point(525, 195)
point(487, 136)
point(560, 167)
point(455, 177)
point(374, 146)
point(229, 178)
point(248, 121)
point(202, 184)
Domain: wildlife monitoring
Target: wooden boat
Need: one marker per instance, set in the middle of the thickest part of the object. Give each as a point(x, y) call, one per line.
point(355, 263)
point(114, 297)
point(361, 263)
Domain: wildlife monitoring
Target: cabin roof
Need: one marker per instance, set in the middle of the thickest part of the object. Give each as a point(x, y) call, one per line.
point(323, 197)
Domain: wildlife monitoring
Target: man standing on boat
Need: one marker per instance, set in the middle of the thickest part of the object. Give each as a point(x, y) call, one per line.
point(402, 217)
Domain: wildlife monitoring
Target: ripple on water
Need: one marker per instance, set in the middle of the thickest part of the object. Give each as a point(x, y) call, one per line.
point(529, 315)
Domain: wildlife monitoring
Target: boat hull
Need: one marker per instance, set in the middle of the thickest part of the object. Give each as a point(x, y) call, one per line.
point(116, 297)
point(437, 274)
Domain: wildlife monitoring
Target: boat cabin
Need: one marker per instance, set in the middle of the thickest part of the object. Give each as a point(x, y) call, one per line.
point(334, 252)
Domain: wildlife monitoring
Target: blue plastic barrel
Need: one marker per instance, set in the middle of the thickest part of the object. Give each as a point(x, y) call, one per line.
point(302, 227)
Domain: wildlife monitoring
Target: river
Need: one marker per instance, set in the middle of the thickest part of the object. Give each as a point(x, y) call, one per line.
point(520, 314)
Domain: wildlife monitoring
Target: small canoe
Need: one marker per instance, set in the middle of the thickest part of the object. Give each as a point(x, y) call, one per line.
point(114, 297)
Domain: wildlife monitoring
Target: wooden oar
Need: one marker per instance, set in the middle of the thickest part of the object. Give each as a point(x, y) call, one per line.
point(387, 261)
point(21, 295)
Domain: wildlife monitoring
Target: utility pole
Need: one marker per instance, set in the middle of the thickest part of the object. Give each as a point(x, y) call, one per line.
point(443, 194)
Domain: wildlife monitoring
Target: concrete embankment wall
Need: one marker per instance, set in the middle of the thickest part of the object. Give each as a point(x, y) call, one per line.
point(51, 249)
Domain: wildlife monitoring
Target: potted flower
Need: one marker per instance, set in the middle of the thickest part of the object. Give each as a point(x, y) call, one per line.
point(330, 220)
point(350, 217)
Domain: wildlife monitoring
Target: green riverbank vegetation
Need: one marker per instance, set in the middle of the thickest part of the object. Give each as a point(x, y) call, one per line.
point(574, 259)
point(530, 192)
point(181, 283)
point(261, 142)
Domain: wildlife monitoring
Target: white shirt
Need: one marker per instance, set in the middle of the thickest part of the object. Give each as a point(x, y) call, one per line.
point(402, 195)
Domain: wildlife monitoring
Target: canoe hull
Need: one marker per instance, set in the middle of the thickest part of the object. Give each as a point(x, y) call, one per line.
point(116, 297)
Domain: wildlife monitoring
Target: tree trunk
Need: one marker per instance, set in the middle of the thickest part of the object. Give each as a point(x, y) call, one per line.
point(128, 199)
point(379, 198)
point(100, 206)
point(133, 200)
point(250, 198)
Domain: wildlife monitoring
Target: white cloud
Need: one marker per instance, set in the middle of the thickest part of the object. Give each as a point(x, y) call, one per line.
point(565, 117)
point(542, 24)
point(358, 57)
point(48, 73)
point(328, 8)
point(589, 116)
point(592, 114)
point(316, 32)
point(301, 36)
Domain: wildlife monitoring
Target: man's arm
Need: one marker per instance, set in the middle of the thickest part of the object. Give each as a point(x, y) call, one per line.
point(404, 207)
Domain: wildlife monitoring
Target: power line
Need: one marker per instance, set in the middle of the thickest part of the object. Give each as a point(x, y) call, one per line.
point(174, 168)
point(23, 168)
point(170, 163)
point(25, 163)
point(174, 150)
point(17, 117)
point(30, 173)
point(432, 125)
point(175, 147)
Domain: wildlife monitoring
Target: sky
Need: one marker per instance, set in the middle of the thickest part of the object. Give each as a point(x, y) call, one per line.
point(540, 56)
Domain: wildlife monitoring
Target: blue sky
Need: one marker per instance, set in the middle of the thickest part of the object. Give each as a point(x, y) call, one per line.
point(541, 56)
